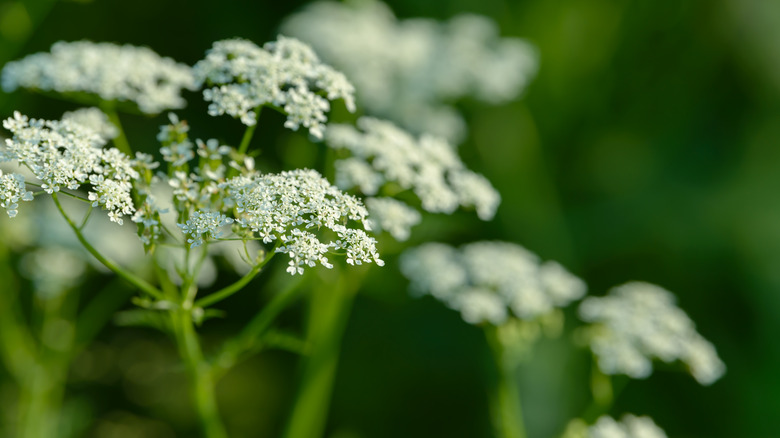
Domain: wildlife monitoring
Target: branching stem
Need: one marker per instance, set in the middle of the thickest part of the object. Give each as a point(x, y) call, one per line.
point(131, 278)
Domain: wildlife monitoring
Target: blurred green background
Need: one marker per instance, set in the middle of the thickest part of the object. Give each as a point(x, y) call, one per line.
point(647, 148)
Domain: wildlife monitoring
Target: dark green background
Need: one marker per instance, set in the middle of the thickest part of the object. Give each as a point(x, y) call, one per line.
point(648, 148)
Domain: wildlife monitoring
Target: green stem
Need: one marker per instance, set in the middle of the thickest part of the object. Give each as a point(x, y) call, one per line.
point(235, 287)
point(189, 288)
point(505, 403)
point(62, 192)
point(250, 131)
point(120, 141)
point(17, 345)
point(202, 379)
point(41, 395)
point(605, 390)
point(328, 316)
point(131, 278)
point(247, 340)
point(86, 217)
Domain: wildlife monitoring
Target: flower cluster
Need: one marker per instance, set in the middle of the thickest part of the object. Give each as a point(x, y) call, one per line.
point(629, 426)
point(487, 280)
point(240, 77)
point(62, 154)
point(383, 154)
point(393, 216)
point(289, 207)
point(637, 322)
point(406, 70)
point(203, 223)
point(13, 190)
point(112, 72)
point(94, 119)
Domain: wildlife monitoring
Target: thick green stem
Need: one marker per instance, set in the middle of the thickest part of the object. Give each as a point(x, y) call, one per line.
point(328, 316)
point(605, 390)
point(202, 379)
point(41, 395)
point(505, 403)
point(17, 345)
point(131, 278)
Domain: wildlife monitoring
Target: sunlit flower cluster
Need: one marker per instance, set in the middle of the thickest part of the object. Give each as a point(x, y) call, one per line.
point(13, 190)
point(409, 71)
point(112, 72)
point(638, 322)
point(240, 77)
point(94, 119)
point(202, 223)
point(62, 154)
point(288, 208)
point(486, 281)
point(383, 154)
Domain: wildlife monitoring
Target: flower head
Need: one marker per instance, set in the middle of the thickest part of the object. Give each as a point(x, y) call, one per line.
point(240, 77)
point(637, 322)
point(94, 119)
point(13, 190)
point(203, 223)
point(110, 71)
point(383, 154)
point(63, 154)
point(294, 209)
point(409, 71)
point(486, 281)
point(393, 216)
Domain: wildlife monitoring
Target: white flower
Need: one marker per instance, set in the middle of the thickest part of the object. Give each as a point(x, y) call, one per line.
point(292, 206)
point(480, 305)
point(13, 190)
point(509, 273)
point(393, 216)
point(410, 71)
point(630, 426)
point(562, 286)
point(240, 76)
point(62, 154)
point(435, 269)
point(474, 190)
point(113, 72)
point(638, 322)
point(204, 223)
point(355, 172)
point(94, 119)
point(429, 166)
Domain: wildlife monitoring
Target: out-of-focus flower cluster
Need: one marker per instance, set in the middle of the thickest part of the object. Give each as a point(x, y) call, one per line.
point(410, 71)
point(629, 426)
point(94, 119)
point(112, 72)
point(486, 281)
point(67, 155)
point(240, 77)
point(382, 155)
point(638, 322)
